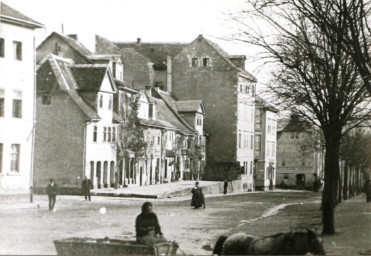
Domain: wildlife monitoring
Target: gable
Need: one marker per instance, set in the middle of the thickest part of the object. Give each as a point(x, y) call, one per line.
point(107, 84)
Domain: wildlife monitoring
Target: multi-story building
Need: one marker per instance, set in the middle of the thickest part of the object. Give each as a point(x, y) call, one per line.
point(205, 71)
point(265, 144)
point(299, 154)
point(17, 93)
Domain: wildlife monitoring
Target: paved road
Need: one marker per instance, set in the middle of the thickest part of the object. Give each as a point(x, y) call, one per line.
point(32, 231)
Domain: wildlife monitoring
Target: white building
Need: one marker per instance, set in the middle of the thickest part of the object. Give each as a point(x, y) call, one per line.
point(265, 144)
point(17, 93)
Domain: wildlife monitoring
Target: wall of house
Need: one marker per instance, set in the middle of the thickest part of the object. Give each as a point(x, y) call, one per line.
point(66, 51)
point(59, 143)
point(293, 163)
point(216, 85)
point(16, 75)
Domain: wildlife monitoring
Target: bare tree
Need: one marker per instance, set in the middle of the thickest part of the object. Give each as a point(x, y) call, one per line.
point(315, 76)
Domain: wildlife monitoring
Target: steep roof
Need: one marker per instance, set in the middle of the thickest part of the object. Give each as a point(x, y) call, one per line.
point(188, 105)
point(265, 104)
point(66, 82)
point(226, 57)
point(8, 14)
point(176, 119)
point(89, 77)
point(74, 44)
point(156, 52)
point(105, 46)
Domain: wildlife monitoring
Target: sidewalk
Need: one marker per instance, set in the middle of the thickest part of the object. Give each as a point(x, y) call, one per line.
point(353, 228)
point(165, 190)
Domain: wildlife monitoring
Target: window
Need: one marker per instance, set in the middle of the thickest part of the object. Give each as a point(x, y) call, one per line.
point(273, 149)
point(250, 167)
point(205, 62)
point(113, 134)
point(17, 104)
point(258, 143)
point(239, 140)
point(292, 135)
point(101, 101)
point(2, 102)
point(104, 134)
point(95, 133)
point(150, 111)
point(194, 62)
point(14, 157)
point(258, 118)
point(2, 47)
point(303, 162)
point(110, 103)
point(285, 176)
point(1, 157)
point(46, 98)
point(296, 135)
point(283, 162)
point(109, 134)
point(17, 50)
point(252, 139)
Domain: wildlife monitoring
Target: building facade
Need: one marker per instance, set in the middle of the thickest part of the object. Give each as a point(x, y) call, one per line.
point(203, 70)
point(17, 93)
point(265, 144)
point(299, 154)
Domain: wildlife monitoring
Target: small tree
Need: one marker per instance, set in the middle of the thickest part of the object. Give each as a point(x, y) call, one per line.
point(131, 132)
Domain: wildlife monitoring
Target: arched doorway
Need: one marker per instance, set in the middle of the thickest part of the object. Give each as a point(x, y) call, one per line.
point(105, 174)
point(99, 174)
point(300, 180)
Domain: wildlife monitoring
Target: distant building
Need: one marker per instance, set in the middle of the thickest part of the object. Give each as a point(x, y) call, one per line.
point(265, 144)
point(17, 93)
point(299, 154)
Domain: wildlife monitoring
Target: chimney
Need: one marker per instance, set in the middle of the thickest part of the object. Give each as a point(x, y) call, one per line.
point(139, 40)
point(151, 73)
point(169, 74)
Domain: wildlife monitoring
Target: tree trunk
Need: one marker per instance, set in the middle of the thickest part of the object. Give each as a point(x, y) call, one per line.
point(346, 182)
point(331, 181)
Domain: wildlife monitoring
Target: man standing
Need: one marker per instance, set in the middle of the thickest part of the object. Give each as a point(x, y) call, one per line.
point(52, 191)
point(86, 186)
point(225, 187)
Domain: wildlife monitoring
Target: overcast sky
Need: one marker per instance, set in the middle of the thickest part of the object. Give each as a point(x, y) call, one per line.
point(151, 20)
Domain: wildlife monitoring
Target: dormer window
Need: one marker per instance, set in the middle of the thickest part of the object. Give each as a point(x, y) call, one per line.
point(101, 101)
point(205, 62)
point(110, 103)
point(195, 62)
point(151, 111)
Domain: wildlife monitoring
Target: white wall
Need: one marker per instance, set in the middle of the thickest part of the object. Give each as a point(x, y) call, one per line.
point(17, 75)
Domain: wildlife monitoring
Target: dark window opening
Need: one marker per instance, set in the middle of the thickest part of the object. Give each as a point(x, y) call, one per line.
point(2, 47)
point(95, 133)
point(46, 98)
point(17, 108)
point(2, 103)
point(150, 113)
point(206, 62)
point(17, 50)
point(194, 62)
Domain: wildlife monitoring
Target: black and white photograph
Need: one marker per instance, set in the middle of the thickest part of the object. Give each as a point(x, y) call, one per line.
point(185, 127)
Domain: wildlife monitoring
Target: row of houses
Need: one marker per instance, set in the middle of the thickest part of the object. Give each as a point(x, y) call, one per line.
point(131, 114)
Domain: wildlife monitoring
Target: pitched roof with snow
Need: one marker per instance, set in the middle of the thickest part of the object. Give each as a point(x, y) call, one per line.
point(10, 15)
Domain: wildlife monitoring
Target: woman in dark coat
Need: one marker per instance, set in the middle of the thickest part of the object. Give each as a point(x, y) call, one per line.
point(198, 198)
point(148, 230)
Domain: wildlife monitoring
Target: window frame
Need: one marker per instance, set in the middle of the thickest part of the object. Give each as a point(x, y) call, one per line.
point(2, 102)
point(17, 107)
point(17, 50)
point(2, 47)
point(15, 163)
point(194, 62)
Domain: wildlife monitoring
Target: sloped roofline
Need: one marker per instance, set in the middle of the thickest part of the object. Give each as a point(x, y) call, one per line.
point(66, 40)
point(17, 17)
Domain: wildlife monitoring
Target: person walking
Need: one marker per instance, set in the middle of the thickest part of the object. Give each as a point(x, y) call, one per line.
point(198, 198)
point(86, 186)
point(225, 187)
point(147, 227)
point(52, 191)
